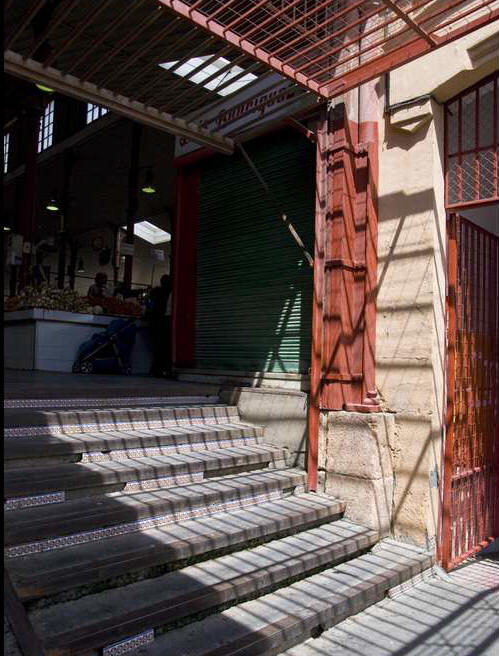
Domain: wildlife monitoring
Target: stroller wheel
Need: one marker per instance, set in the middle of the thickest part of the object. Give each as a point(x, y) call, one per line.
point(87, 367)
point(128, 371)
point(76, 368)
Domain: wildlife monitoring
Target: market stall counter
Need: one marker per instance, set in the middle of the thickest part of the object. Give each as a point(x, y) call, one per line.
point(48, 340)
point(44, 328)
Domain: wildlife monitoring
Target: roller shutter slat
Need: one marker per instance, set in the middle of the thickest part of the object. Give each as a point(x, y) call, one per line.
point(254, 288)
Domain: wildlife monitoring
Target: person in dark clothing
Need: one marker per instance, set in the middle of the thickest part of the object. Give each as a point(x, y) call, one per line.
point(99, 289)
point(159, 315)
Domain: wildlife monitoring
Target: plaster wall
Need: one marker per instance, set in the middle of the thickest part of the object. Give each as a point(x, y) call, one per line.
point(410, 346)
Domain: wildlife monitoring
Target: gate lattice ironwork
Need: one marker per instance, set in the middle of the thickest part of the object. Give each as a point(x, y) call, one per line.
point(471, 469)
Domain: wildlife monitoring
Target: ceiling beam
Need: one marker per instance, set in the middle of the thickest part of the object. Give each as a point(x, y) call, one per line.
point(69, 85)
point(403, 55)
point(411, 23)
point(196, 17)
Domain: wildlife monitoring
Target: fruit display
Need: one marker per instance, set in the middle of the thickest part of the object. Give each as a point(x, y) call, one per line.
point(67, 300)
point(116, 307)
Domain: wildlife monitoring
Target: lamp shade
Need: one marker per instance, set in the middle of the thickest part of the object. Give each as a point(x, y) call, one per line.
point(52, 205)
point(148, 187)
point(42, 87)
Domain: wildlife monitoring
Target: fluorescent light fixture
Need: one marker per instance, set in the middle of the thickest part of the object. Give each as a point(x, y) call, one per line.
point(149, 187)
point(149, 232)
point(52, 206)
point(6, 229)
point(209, 70)
point(42, 87)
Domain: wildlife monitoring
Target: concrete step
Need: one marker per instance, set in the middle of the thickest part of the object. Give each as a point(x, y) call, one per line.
point(86, 479)
point(28, 422)
point(109, 402)
point(279, 620)
point(98, 620)
point(163, 507)
point(48, 449)
point(93, 566)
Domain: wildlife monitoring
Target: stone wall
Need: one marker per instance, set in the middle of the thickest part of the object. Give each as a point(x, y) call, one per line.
point(410, 345)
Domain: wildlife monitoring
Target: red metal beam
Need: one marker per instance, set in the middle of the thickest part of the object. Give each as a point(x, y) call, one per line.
point(65, 12)
point(239, 42)
point(408, 20)
point(403, 55)
point(91, 16)
point(134, 34)
point(121, 16)
point(32, 12)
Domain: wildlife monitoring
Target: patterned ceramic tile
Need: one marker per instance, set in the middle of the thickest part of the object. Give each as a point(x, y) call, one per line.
point(139, 525)
point(159, 483)
point(40, 500)
point(106, 403)
point(127, 645)
point(74, 429)
point(123, 454)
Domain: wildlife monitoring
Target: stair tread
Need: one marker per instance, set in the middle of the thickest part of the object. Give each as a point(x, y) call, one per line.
point(81, 416)
point(102, 618)
point(112, 401)
point(280, 619)
point(74, 475)
point(52, 520)
point(17, 447)
point(47, 572)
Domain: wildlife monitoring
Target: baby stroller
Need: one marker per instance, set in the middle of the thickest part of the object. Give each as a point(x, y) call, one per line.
point(108, 352)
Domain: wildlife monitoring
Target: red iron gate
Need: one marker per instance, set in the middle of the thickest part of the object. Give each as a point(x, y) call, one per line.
point(470, 509)
point(471, 469)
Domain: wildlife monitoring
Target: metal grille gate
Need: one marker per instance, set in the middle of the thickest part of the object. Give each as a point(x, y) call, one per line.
point(471, 470)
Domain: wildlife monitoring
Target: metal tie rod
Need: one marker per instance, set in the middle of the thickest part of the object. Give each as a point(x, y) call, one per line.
point(284, 217)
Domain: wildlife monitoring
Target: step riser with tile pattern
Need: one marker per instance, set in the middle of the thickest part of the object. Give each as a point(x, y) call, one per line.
point(95, 621)
point(213, 495)
point(25, 423)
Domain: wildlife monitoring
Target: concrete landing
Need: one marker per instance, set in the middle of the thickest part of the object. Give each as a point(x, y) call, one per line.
point(457, 615)
point(50, 385)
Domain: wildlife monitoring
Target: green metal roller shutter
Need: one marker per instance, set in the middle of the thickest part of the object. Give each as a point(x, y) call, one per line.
point(254, 288)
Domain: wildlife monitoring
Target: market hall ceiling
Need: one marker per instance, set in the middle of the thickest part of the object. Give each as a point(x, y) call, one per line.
point(163, 62)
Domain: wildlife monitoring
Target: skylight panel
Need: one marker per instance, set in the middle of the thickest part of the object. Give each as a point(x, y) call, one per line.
point(211, 69)
point(150, 233)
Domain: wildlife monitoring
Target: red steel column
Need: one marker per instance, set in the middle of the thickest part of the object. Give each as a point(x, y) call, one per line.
point(184, 267)
point(321, 176)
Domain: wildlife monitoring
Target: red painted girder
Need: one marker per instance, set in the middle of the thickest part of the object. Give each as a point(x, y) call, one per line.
point(403, 55)
point(408, 20)
point(239, 42)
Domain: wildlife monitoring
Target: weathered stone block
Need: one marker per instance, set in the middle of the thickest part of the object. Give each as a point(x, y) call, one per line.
point(357, 444)
point(368, 502)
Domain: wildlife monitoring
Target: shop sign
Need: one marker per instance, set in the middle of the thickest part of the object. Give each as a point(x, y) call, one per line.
point(127, 249)
point(255, 102)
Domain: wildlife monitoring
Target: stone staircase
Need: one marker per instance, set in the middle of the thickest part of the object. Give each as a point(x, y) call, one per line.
point(169, 527)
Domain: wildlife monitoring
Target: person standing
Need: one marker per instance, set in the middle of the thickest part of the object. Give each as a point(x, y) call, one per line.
point(99, 289)
point(159, 314)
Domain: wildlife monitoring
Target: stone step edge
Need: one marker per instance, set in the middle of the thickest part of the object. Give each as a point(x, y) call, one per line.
point(84, 537)
point(123, 401)
point(227, 595)
point(148, 451)
point(238, 486)
point(283, 521)
point(18, 503)
point(76, 429)
point(365, 595)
